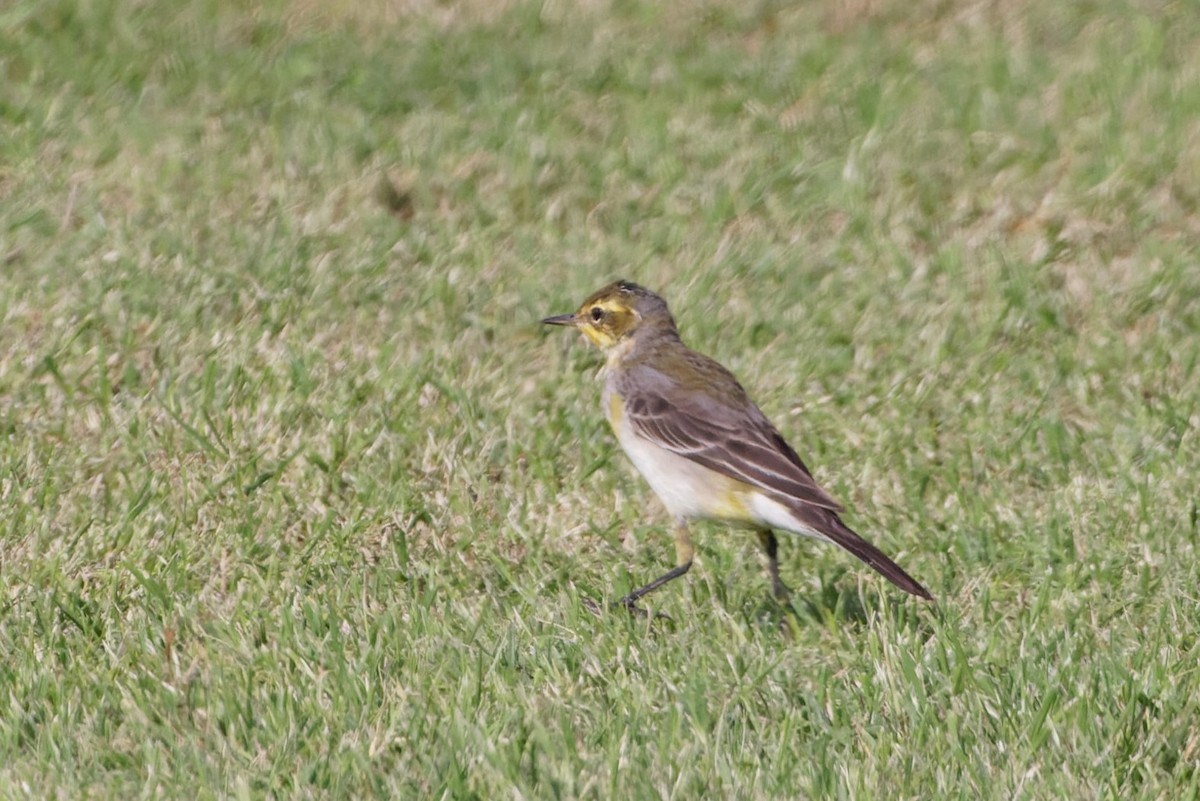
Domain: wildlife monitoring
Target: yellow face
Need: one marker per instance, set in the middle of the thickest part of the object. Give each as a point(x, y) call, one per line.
point(606, 318)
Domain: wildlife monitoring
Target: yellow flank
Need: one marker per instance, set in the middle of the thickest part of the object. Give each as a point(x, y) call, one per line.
point(616, 411)
point(731, 502)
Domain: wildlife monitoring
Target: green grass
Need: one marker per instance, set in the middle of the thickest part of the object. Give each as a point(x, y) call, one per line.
point(297, 500)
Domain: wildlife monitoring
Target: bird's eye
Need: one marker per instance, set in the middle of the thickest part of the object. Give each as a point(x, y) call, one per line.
point(597, 314)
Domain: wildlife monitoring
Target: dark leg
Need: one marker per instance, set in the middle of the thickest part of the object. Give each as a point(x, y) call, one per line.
point(771, 546)
point(783, 596)
point(683, 562)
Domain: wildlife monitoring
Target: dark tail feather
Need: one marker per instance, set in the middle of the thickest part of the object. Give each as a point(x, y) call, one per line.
point(831, 526)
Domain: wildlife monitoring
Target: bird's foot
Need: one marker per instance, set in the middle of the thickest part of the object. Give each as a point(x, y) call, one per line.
point(626, 603)
point(629, 604)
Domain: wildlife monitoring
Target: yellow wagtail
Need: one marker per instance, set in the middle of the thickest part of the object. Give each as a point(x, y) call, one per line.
point(707, 450)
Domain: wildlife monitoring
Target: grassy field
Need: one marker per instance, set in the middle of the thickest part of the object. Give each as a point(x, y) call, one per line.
point(297, 500)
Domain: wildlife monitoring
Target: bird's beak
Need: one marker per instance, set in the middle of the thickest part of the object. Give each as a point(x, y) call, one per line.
point(562, 319)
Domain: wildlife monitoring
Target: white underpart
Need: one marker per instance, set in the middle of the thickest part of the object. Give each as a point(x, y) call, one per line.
point(770, 513)
point(681, 484)
point(686, 487)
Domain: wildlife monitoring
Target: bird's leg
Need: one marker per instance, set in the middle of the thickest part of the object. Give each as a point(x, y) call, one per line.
point(783, 596)
point(771, 546)
point(683, 562)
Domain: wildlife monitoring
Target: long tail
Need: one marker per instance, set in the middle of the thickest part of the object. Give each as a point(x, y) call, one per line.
point(829, 525)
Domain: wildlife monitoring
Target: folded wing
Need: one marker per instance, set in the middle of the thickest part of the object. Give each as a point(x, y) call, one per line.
point(733, 438)
point(724, 431)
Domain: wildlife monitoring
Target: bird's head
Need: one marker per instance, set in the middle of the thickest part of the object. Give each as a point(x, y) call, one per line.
point(614, 314)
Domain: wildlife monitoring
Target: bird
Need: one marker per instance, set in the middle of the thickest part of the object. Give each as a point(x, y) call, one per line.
point(706, 449)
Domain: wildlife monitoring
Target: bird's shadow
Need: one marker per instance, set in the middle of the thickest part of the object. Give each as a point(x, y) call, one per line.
point(838, 606)
point(837, 603)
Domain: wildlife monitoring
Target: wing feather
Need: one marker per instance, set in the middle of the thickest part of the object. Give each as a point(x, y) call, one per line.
point(733, 437)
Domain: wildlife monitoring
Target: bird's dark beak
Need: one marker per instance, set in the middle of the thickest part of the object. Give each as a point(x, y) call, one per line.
point(562, 319)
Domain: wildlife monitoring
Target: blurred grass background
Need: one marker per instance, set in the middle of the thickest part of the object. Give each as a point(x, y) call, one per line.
point(298, 501)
